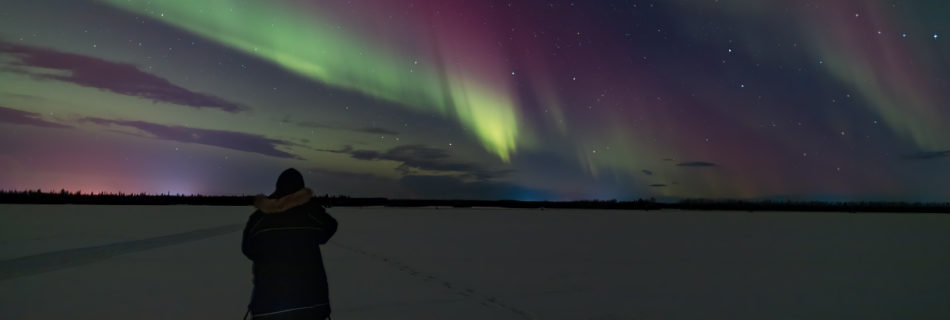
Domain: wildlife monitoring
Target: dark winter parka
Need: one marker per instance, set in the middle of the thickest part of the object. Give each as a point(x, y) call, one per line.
point(283, 239)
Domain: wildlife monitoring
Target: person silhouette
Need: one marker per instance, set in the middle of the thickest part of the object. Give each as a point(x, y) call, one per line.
point(282, 238)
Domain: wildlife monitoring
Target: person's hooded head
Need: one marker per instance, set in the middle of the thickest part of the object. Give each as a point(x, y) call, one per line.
point(290, 192)
point(290, 181)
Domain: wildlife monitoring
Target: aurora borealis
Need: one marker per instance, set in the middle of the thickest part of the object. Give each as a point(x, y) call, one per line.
point(559, 100)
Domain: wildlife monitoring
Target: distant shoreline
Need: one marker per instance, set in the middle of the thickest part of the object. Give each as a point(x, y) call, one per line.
point(63, 197)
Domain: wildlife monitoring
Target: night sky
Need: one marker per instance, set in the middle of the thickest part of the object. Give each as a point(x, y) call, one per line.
point(558, 100)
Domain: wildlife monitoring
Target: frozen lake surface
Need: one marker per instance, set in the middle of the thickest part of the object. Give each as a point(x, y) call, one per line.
point(183, 262)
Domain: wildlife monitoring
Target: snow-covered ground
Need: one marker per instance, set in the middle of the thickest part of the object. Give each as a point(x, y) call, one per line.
point(182, 262)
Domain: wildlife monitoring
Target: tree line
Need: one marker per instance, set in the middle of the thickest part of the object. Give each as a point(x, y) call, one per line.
point(102, 198)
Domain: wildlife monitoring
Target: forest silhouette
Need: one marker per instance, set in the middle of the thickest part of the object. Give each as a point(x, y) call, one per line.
point(102, 198)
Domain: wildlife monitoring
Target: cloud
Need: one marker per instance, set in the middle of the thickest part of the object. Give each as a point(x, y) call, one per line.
point(423, 158)
point(120, 78)
point(19, 117)
point(928, 155)
point(696, 164)
point(647, 172)
point(314, 124)
point(346, 149)
point(224, 139)
point(431, 159)
point(365, 155)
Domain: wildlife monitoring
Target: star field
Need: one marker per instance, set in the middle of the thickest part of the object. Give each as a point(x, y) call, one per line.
point(559, 100)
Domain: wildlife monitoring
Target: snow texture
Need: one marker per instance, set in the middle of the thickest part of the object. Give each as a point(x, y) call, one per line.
point(183, 262)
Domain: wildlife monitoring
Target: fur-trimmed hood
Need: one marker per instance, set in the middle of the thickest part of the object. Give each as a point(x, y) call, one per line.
point(284, 203)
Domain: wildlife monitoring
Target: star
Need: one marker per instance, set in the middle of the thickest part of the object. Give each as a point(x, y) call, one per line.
point(936, 36)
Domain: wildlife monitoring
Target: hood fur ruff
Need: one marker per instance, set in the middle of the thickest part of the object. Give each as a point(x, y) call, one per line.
point(284, 203)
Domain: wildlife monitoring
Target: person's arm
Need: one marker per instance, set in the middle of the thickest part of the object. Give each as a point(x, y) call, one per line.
point(245, 240)
point(326, 224)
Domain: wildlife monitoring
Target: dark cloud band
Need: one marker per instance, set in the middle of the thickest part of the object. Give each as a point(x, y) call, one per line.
point(225, 139)
point(19, 117)
point(120, 78)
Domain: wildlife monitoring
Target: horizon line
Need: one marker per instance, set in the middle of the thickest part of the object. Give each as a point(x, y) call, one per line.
point(675, 200)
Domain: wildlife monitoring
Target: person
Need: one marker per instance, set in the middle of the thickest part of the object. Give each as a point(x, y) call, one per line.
point(282, 238)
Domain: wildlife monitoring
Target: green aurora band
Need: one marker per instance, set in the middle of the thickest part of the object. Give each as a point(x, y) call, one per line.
point(317, 49)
